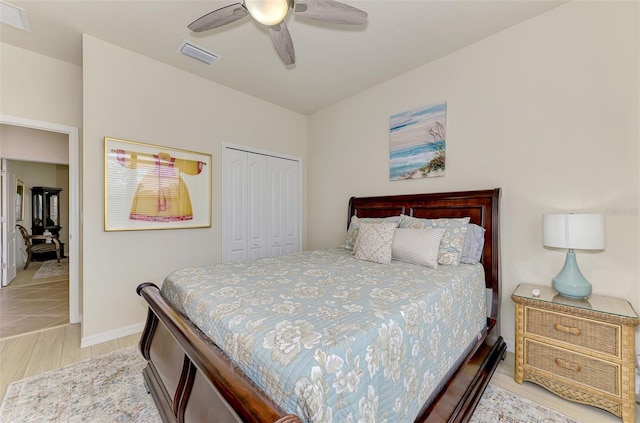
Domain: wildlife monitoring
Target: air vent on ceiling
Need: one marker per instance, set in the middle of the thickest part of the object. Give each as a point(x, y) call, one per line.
point(14, 16)
point(196, 52)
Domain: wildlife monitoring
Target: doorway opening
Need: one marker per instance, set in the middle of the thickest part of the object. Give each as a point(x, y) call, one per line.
point(73, 249)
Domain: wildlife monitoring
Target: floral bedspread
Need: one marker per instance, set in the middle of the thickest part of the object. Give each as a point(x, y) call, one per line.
point(333, 338)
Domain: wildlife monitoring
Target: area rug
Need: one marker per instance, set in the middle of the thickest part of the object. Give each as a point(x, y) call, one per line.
point(500, 405)
point(50, 269)
point(110, 388)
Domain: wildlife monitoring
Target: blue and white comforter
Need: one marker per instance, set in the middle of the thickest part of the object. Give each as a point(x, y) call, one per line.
point(333, 338)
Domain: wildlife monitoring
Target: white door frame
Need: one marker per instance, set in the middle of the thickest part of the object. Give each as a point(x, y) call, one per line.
point(8, 224)
point(74, 203)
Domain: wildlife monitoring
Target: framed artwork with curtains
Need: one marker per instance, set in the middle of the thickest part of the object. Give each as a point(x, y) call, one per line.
point(148, 186)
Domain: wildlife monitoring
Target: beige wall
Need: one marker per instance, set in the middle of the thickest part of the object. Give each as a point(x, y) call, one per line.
point(547, 110)
point(37, 87)
point(33, 145)
point(132, 97)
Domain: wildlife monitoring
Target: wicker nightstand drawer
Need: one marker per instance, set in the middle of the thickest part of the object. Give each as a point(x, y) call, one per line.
point(593, 335)
point(580, 368)
point(582, 350)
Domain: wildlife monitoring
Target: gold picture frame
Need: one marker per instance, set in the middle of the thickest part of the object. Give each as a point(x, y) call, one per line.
point(151, 187)
point(19, 200)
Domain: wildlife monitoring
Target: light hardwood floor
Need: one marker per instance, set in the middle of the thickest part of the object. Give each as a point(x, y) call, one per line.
point(38, 352)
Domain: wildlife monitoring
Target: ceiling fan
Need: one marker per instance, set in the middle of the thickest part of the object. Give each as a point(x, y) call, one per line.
point(272, 13)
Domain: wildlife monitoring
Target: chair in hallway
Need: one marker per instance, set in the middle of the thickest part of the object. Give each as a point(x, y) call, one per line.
point(38, 248)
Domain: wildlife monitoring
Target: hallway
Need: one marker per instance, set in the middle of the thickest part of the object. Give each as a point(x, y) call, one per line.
point(29, 304)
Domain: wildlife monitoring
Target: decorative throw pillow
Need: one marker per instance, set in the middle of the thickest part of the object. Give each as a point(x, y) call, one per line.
point(374, 242)
point(417, 246)
point(473, 244)
point(411, 222)
point(452, 240)
point(352, 232)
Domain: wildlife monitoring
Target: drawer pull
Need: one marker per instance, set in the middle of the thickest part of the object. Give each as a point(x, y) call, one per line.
point(568, 365)
point(567, 329)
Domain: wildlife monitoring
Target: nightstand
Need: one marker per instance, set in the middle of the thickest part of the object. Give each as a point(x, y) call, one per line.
point(581, 350)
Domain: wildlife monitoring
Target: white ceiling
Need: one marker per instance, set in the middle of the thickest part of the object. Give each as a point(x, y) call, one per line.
point(333, 61)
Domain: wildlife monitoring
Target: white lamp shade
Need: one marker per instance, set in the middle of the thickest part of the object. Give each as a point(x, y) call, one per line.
point(573, 231)
point(268, 12)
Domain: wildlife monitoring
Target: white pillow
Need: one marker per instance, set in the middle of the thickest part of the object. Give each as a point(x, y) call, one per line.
point(374, 242)
point(417, 246)
point(452, 240)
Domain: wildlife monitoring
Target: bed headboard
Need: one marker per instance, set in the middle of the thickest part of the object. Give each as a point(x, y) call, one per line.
point(481, 206)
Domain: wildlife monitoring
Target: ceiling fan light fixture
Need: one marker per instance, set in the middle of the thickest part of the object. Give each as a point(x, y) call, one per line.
point(272, 13)
point(268, 12)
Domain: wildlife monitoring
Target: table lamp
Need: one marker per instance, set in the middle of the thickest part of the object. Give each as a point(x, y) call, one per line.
point(573, 231)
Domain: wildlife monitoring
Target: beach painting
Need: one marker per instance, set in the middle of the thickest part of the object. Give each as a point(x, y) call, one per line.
point(417, 143)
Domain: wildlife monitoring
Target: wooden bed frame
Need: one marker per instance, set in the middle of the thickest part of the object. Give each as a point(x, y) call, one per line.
point(192, 380)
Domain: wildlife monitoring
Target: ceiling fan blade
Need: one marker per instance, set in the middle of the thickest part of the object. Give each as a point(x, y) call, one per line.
point(329, 11)
point(219, 17)
point(283, 43)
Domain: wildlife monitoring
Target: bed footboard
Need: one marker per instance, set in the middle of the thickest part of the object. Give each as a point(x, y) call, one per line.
point(460, 396)
point(188, 376)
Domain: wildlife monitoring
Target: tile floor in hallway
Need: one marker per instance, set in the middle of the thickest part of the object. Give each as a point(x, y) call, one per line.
point(28, 304)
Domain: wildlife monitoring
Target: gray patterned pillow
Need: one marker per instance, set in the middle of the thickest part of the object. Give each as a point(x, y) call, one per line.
point(352, 232)
point(452, 240)
point(417, 246)
point(374, 242)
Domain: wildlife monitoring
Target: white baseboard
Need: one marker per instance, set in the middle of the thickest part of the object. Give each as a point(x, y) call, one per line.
point(87, 341)
point(75, 319)
point(511, 346)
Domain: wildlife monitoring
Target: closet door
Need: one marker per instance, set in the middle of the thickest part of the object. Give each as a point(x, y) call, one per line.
point(284, 206)
point(260, 205)
point(235, 211)
point(257, 196)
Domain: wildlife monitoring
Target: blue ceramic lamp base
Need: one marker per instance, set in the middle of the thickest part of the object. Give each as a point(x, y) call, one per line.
point(570, 282)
